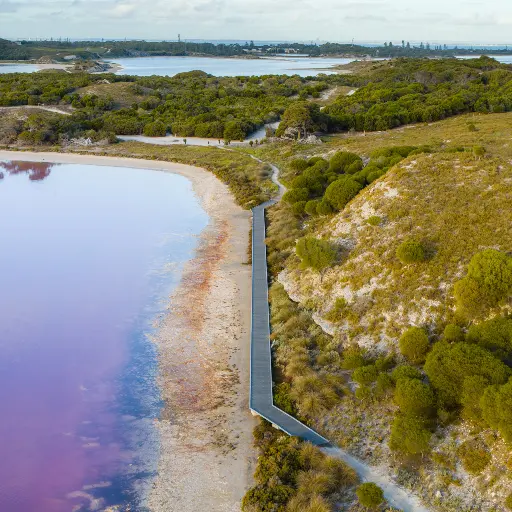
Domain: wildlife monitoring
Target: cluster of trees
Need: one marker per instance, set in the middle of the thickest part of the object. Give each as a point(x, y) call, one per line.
point(422, 90)
point(321, 187)
point(293, 476)
point(188, 104)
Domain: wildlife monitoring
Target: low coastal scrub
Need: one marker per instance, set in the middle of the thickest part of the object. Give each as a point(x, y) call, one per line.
point(248, 180)
point(424, 379)
point(295, 476)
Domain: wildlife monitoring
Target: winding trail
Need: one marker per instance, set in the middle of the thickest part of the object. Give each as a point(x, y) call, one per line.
point(261, 399)
point(55, 110)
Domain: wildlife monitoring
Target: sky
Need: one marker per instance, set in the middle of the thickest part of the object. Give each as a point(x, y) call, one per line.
point(471, 21)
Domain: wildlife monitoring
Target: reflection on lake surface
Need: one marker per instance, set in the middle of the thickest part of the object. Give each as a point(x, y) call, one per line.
point(89, 256)
point(169, 66)
point(36, 171)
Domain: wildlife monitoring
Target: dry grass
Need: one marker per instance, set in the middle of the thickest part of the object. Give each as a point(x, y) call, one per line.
point(453, 203)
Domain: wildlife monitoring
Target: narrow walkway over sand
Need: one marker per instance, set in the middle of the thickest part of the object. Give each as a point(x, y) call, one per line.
point(261, 399)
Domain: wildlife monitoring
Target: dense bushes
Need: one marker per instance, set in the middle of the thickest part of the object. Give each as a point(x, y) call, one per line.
point(155, 129)
point(294, 476)
point(414, 344)
point(447, 366)
point(191, 104)
point(416, 90)
point(487, 283)
point(341, 191)
point(410, 251)
point(370, 495)
point(315, 253)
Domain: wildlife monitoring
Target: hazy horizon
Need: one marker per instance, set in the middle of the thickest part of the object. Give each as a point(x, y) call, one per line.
point(456, 22)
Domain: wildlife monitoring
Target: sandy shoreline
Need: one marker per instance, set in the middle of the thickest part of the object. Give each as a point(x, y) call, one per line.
point(206, 458)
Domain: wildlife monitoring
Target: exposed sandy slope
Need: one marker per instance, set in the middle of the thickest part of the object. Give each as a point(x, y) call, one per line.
point(206, 429)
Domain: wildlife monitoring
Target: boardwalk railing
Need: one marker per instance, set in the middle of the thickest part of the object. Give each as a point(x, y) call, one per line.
point(261, 398)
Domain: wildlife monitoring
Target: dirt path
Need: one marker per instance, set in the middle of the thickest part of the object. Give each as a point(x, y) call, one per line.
point(394, 494)
point(56, 110)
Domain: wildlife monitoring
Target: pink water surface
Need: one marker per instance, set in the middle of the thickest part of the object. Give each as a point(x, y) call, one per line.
point(79, 250)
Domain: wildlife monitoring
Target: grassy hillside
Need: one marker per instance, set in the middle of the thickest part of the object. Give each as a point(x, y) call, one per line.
point(401, 367)
point(452, 203)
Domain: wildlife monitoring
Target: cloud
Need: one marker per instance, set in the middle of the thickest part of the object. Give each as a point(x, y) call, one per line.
point(7, 6)
point(122, 10)
point(368, 17)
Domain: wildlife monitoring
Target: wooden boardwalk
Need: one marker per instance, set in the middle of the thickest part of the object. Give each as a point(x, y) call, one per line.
point(261, 398)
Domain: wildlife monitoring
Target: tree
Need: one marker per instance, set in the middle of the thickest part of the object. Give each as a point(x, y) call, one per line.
point(315, 253)
point(409, 435)
point(234, 131)
point(414, 397)
point(404, 371)
point(410, 251)
point(341, 191)
point(298, 117)
point(494, 335)
point(370, 495)
point(414, 344)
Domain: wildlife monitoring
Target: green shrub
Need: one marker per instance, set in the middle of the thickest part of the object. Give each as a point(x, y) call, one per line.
point(447, 366)
point(353, 357)
point(410, 251)
point(384, 384)
point(404, 371)
point(342, 160)
point(315, 253)
point(299, 164)
point(295, 195)
point(370, 495)
point(324, 208)
point(365, 374)
point(409, 435)
point(363, 393)
point(473, 388)
point(488, 282)
point(453, 333)
point(341, 191)
point(311, 207)
point(283, 400)
point(474, 456)
point(414, 397)
point(494, 335)
point(414, 344)
point(298, 208)
point(374, 220)
point(155, 129)
point(496, 404)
